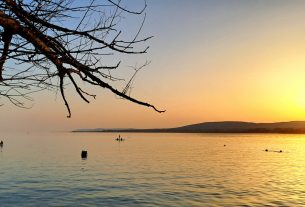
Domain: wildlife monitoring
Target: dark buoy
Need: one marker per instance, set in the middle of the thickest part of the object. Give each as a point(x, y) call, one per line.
point(266, 150)
point(84, 154)
point(281, 151)
point(224, 145)
point(120, 139)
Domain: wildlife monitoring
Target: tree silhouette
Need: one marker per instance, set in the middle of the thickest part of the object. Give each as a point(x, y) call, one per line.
point(47, 44)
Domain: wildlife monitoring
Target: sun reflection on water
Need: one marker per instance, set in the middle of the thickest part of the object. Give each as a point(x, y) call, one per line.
point(153, 170)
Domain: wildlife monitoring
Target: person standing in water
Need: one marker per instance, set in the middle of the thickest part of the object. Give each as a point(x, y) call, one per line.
point(1, 144)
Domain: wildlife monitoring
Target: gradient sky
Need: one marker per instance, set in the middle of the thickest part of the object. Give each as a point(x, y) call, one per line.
point(212, 60)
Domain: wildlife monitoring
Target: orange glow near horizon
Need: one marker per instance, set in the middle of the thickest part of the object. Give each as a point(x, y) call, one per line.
point(228, 62)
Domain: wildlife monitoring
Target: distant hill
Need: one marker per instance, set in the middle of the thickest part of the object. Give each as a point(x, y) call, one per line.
point(219, 127)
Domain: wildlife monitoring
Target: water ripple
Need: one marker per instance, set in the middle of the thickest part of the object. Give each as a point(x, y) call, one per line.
point(152, 170)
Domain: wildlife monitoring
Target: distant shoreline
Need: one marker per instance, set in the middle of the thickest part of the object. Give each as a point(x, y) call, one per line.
point(188, 132)
point(293, 127)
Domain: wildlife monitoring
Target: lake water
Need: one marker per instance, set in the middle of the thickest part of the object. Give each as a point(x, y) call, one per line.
point(45, 169)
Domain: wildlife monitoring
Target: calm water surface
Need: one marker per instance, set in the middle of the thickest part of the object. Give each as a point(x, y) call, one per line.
point(45, 169)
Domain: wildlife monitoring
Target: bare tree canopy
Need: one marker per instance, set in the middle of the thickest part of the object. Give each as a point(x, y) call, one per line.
point(60, 42)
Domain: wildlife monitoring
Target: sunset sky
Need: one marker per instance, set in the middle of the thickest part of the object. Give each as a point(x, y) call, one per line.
point(211, 60)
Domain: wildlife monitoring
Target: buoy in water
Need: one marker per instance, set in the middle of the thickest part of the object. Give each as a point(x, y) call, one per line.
point(84, 154)
point(266, 150)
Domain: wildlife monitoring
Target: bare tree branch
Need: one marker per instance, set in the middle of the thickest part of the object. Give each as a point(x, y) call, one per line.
point(64, 40)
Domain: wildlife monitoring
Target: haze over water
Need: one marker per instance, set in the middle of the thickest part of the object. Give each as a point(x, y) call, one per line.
point(152, 170)
point(210, 61)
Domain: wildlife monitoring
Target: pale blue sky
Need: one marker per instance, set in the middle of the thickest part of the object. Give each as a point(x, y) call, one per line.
point(211, 60)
